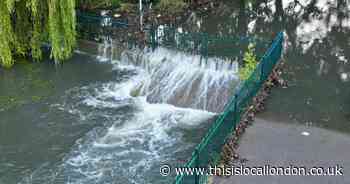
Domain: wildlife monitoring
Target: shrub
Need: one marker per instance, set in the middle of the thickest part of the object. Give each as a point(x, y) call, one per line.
point(128, 7)
point(250, 63)
point(97, 4)
point(171, 6)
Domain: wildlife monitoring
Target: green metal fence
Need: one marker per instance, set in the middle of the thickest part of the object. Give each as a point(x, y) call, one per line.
point(94, 27)
point(209, 149)
point(204, 44)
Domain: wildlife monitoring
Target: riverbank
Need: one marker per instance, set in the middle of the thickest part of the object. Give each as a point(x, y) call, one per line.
point(285, 144)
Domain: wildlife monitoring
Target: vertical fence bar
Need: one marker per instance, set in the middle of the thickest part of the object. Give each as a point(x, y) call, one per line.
point(141, 15)
point(235, 112)
point(153, 37)
point(262, 75)
point(196, 179)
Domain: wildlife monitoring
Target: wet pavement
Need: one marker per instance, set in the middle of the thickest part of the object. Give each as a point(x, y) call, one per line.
point(284, 144)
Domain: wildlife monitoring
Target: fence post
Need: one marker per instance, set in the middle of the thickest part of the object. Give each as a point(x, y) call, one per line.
point(196, 179)
point(205, 47)
point(235, 112)
point(141, 14)
point(153, 38)
point(262, 75)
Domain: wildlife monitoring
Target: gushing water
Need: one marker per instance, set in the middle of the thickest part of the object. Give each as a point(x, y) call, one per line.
point(184, 80)
point(157, 111)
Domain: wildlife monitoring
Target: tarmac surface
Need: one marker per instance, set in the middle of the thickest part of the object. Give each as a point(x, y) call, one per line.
point(281, 144)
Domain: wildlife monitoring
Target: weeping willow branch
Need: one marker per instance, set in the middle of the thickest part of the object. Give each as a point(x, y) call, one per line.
point(36, 40)
point(69, 23)
point(6, 35)
point(26, 24)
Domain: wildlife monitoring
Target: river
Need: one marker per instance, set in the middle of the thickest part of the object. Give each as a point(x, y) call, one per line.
point(97, 119)
point(100, 119)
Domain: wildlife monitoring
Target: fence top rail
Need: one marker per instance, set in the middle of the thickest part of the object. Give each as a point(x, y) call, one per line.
point(162, 30)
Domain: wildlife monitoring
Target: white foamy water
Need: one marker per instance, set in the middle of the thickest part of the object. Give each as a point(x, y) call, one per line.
point(131, 150)
point(184, 80)
point(156, 114)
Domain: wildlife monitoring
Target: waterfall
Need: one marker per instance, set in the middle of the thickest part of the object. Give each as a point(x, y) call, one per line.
point(183, 80)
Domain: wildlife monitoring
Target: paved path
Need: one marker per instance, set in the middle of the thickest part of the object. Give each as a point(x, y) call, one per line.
point(284, 144)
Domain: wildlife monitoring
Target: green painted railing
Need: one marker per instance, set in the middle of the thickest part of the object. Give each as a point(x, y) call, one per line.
point(203, 44)
point(208, 150)
point(92, 27)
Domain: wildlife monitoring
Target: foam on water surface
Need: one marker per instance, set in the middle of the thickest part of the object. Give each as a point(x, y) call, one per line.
point(157, 114)
point(185, 80)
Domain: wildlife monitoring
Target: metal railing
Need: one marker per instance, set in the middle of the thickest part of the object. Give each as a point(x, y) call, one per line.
point(203, 44)
point(208, 150)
